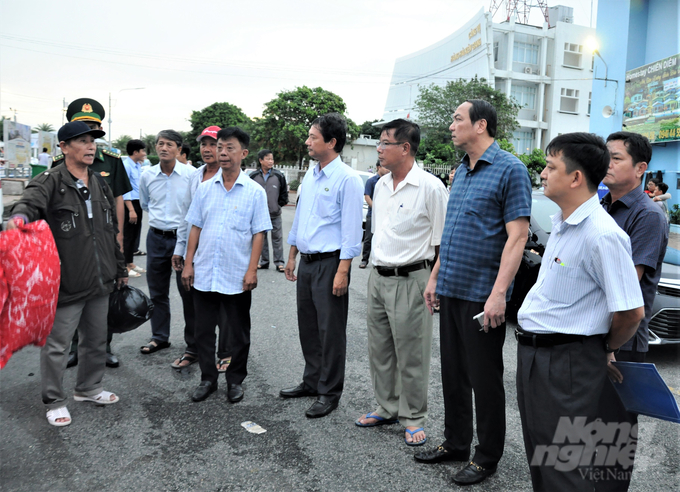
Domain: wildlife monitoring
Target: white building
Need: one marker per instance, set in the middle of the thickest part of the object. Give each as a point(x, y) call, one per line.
point(546, 69)
point(361, 154)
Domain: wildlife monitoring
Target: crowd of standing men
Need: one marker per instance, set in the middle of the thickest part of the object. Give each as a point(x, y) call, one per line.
point(457, 252)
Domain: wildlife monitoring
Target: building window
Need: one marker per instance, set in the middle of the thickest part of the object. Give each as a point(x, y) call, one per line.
point(525, 53)
point(495, 51)
point(590, 98)
point(569, 101)
point(572, 55)
point(523, 142)
point(525, 96)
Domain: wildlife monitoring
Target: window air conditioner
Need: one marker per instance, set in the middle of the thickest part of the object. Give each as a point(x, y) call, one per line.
point(527, 69)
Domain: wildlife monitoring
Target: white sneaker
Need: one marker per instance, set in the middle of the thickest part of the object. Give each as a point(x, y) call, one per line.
point(132, 273)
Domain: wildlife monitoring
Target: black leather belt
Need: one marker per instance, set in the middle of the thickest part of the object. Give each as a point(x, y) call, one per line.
point(547, 339)
point(401, 271)
point(172, 233)
point(319, 256)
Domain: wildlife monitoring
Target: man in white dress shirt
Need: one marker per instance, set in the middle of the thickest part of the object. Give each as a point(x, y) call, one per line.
point(409, 208)
point(161, 190)
point(586, 302)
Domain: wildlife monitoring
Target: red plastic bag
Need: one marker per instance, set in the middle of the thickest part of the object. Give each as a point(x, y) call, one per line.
point(29, 287)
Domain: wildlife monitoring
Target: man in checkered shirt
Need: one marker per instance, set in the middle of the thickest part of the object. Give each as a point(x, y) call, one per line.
point(486, 229)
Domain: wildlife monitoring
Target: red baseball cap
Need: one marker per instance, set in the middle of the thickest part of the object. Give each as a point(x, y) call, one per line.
point(211, 132)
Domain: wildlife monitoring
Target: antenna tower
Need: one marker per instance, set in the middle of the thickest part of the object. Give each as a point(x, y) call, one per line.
point(521, 8)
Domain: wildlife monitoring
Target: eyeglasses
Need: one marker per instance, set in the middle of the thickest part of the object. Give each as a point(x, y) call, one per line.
point(385, 144)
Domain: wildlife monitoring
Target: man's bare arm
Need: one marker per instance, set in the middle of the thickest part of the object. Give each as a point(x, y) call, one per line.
point(494, 309)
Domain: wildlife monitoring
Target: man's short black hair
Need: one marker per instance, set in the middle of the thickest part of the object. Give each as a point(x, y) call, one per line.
point(637, 145)
point(332, 126)
point(44, 149)
point(133, 145)
point(186, 149)
point(262, 154)
point(586, 152)
point(234, 131)
point(663, 187)
point(404, 131)
point(482, 110)
point(171, 135)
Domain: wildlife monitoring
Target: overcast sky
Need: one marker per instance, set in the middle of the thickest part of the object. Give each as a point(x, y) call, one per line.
point(188, 55)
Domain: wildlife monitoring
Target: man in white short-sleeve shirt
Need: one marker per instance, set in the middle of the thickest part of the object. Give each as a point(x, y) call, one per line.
point(409, 208)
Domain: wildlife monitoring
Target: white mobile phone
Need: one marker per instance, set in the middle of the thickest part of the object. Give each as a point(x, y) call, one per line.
point(480, 319)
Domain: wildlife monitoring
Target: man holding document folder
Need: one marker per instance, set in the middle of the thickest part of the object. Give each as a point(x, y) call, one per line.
point(586, 303)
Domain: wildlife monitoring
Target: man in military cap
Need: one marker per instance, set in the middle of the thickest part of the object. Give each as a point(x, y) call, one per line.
point(110, 166)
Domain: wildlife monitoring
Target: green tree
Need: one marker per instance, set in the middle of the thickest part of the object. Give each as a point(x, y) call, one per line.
point(43, 127)
point(436, 104)
point(220, 114)
point(150, 141)
point(535, 162)
point(121, 142)
point(2, 128)
point(286, 120)
point(367, 128)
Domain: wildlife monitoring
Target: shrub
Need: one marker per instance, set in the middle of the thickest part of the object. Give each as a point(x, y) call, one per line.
point(293, 185)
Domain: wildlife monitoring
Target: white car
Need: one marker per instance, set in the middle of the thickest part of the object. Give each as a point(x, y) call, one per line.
point(364, 177)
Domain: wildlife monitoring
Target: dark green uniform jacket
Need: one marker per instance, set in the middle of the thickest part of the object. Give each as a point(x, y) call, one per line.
point(91, 259)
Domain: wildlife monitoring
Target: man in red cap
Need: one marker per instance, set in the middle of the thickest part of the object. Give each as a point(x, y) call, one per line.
point(208, 147)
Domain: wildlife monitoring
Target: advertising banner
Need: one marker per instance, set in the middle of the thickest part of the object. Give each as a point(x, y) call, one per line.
point(48, 140)
point(652, 100)
point(17, 144)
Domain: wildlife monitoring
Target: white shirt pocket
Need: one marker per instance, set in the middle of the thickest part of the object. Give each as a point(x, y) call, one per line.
point(563, 284)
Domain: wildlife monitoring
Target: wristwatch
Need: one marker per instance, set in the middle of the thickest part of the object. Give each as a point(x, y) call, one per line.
point(608, 349)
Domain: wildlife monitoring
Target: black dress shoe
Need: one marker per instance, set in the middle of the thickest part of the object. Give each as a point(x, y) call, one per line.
point(440, 454)
point(298, 391)
point(111, 360)
point(235, 393)
point(204, 390)
point(473, 473)
point(322, 407)
point(72, 359)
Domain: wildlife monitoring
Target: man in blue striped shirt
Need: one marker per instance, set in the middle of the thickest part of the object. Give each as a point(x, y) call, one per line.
point(487, 222)
point(228, 216)
point(586, 303)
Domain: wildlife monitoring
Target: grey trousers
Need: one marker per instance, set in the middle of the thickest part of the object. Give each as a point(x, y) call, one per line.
point(399, 345)
point(277, 243)
point(89, 318)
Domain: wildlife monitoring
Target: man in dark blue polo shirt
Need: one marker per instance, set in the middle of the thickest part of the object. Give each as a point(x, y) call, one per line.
point(487, 222)
point(646, 225)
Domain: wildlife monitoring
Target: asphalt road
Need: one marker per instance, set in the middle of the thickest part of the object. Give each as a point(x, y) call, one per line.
point(156, 438)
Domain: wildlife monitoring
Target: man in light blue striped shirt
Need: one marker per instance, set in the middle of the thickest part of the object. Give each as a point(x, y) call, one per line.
point(327, 232)
point(586, 302)
point(228, 217)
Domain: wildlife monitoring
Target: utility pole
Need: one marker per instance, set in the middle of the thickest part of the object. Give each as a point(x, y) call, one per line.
point(63, 111)
point(110, 146)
